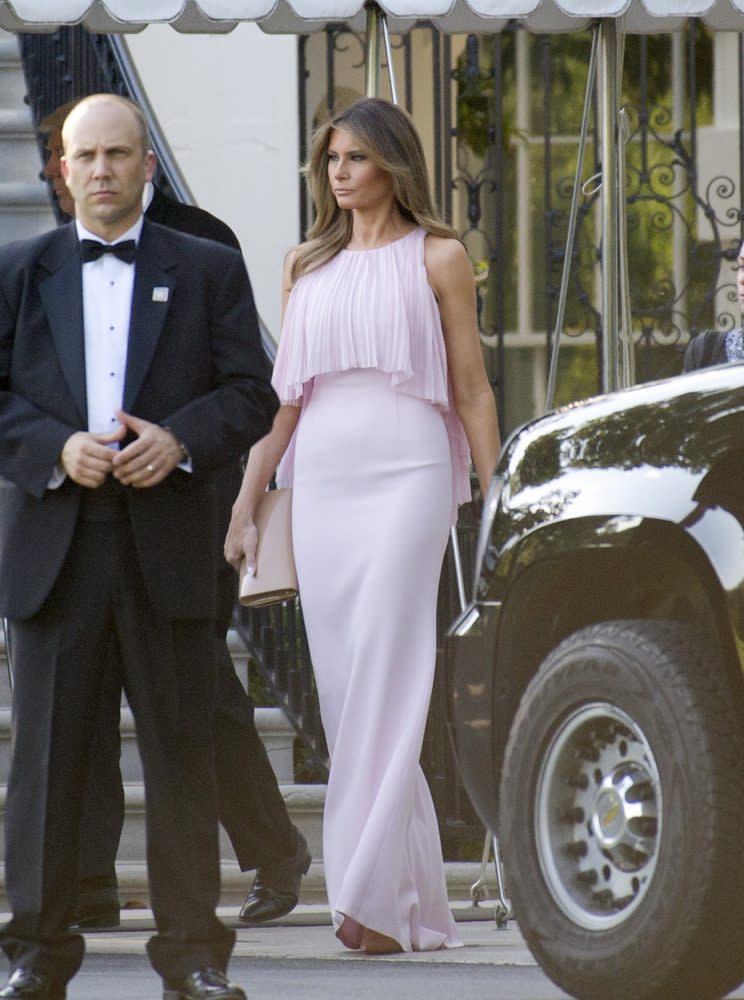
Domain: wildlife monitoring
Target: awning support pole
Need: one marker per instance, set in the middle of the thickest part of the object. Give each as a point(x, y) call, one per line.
point(572, 217)
point(377, 23)
point(608, 99)
point(389, 57)
point(372, 62)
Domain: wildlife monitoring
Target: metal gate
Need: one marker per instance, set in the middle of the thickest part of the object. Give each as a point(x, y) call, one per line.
point(499, 116)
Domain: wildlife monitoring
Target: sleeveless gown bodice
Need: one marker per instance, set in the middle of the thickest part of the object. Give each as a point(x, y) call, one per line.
point(371, 309)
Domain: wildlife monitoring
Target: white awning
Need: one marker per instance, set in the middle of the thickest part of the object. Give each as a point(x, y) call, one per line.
point(299, 16)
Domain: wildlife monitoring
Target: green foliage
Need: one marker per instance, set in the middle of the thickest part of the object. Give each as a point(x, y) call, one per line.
point(577, 373)
point(660, 192)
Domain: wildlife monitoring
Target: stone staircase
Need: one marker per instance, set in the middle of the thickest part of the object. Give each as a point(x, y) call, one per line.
point(24, 200)
point(25, 211)
point(305, 802)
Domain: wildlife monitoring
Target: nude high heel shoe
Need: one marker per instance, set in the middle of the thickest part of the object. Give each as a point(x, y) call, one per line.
point(374, 943)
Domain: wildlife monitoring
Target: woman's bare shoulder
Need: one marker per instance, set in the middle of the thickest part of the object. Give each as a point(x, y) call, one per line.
point(445, 258)
point(444, 251)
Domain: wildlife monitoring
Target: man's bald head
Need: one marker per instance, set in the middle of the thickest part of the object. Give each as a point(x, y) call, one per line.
point(106, 163)
point(77, 110)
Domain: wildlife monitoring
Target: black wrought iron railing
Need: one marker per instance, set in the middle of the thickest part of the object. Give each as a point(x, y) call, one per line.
point(460, 828)
point(69, 64)
point(275, 637)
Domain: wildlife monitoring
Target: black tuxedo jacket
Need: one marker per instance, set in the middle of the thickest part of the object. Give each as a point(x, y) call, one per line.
point(707, 348)
point(194, 364)
point(189, 219)
point(198, 222)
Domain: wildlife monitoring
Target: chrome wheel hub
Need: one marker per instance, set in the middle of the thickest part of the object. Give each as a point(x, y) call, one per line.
point(598, 815)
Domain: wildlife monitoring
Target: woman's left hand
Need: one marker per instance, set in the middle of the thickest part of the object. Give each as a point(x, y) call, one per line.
point(241, 543)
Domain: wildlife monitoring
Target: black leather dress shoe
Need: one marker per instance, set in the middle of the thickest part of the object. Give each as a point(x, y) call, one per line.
point(26, 985)
point(276, 889)
point(204, 984)
point(97, 903)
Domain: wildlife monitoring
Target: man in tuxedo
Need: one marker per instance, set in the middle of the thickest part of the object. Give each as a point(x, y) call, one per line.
point(130, 370)
point(251, 806)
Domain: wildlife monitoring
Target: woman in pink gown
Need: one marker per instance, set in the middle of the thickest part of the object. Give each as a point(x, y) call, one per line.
point(384, 395)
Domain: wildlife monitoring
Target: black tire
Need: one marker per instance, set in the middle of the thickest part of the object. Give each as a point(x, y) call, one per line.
point(622, 815)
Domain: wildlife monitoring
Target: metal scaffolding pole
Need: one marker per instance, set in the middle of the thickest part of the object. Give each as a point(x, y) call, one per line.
point(372, 60)
point(608, 97)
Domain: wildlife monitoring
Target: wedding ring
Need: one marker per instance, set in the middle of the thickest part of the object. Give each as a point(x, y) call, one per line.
point(150, 468)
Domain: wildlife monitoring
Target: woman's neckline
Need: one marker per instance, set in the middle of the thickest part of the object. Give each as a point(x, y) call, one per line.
point(384, 245)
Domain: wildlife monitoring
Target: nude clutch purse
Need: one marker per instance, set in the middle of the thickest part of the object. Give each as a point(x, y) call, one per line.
point(275, 578)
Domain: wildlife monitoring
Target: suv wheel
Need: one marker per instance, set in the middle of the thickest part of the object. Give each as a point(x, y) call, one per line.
point(622, 815)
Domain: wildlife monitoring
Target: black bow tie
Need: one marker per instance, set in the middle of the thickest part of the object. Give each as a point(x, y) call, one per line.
point(92, 250)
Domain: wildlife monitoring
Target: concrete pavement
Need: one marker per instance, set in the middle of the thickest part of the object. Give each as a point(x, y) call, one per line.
point(306, 934)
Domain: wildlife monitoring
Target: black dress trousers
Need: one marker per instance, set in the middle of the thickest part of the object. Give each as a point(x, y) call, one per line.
point(99, 613)
point(251, 807)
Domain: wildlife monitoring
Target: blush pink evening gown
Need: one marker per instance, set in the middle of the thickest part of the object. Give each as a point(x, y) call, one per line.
point(378, 462)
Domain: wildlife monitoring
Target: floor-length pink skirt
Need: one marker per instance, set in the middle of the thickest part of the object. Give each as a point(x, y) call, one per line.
point(371, 515)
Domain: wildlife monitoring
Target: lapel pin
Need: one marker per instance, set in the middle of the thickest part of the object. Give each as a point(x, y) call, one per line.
point(160, 294)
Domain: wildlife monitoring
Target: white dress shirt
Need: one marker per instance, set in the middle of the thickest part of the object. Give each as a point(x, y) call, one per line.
point(108, 284)
point(107, 304)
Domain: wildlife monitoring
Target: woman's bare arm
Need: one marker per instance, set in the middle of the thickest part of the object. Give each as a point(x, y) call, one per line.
point(264, 456)
point(451, 278)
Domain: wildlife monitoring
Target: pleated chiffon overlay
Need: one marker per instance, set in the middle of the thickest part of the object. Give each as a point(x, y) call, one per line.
point(371, 309)
point(373, 472)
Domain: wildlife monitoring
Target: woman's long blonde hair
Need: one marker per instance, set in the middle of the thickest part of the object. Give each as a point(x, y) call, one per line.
point(387, 135)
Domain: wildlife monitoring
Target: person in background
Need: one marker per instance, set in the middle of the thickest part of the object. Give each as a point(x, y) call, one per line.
point(130, 369)
point(384, 393)
point(716, 347)
point(252, 809)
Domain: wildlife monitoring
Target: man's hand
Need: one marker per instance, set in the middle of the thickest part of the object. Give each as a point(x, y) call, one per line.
point(148, 460)
point(86, 458)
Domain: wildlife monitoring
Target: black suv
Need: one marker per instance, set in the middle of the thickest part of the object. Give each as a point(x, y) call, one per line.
point(597, 695)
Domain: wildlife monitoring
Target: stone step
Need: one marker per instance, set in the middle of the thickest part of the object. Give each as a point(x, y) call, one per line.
point(10, 53)
point(12, 82)
point(304, 804)
point(34, 195)
point(134, 894)
point(24, 210)
point(28, 196)
point(275, 731)
point(19, 152)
